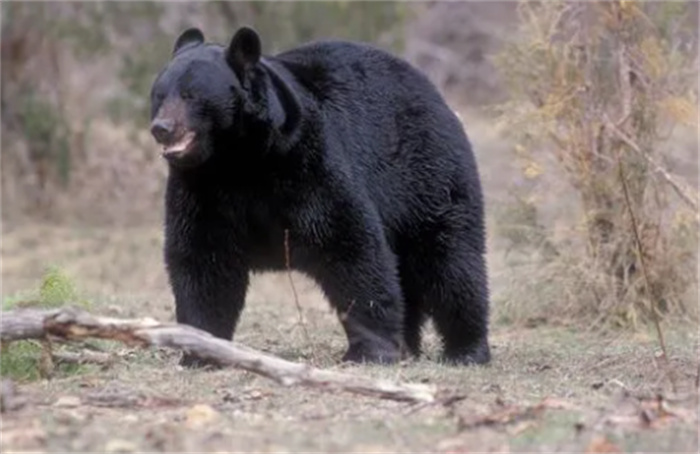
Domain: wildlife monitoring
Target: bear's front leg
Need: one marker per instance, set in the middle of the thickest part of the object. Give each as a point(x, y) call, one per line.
point(209, 290)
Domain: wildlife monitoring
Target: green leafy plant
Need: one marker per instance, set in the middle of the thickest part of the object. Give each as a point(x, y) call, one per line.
point(27, 360)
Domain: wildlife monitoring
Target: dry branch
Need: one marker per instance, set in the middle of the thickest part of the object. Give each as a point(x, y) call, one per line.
point(645, 273)
point(84, 357)
point(685, 194)
point(72, 323)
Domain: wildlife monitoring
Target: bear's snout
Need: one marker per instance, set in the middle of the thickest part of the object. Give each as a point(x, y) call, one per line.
point(163, 131)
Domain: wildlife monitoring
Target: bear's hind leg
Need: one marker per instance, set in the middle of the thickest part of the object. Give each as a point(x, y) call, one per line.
point(446, 280)
point(414, 312)
point(459, 307)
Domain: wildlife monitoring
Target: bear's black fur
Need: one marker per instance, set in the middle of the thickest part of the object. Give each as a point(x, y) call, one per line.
point(351, 151)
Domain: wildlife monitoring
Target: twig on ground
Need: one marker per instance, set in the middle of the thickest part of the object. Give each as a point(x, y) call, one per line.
point(73, 323)
point(288, 264)
point(47, 366)
point(624, 387)
point(84, 357)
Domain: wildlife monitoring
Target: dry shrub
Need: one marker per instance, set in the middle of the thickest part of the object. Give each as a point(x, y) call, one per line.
point(597, 90)
point(63, 159)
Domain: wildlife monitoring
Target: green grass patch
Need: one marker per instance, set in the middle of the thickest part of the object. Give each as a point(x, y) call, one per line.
point(21, 360)
point(56, 289)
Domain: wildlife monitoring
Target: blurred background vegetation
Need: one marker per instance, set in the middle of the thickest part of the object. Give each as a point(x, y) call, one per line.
point(553, 75)
point(75, 83)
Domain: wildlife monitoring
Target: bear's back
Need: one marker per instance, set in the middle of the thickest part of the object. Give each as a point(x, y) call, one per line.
point(395, 128)
point(346, 71)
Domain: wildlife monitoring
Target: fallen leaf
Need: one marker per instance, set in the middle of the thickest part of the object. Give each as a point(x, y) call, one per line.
point(253, 394)
point(656, 412)
point(452, 445)
point(651, 413)
point(120, 446)
point(90, 382)
point(459, 445)
point(159, 402)
point(521, 427)
point(68, 402)
point(200, 415)
point(256, 395)
point(559, 404)
point(513, 414)
point(601, 444)
point(130, 418)
point(368, 448)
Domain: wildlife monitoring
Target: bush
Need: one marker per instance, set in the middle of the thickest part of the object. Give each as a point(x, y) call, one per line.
point(30, 359)
point(597, 88)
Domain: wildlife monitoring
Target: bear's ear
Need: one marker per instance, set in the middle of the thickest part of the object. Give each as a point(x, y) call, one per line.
point(191, 36)
point(244, 51)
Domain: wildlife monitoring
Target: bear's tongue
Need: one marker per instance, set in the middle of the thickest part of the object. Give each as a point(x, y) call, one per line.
point(181, 145)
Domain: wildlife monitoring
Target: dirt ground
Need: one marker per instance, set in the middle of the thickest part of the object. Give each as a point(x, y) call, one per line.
point(547, 389)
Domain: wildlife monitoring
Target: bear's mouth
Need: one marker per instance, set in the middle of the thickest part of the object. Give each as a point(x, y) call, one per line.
point(181, 146)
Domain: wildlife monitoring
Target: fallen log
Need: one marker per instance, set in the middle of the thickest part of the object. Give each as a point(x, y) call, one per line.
point(72, 324)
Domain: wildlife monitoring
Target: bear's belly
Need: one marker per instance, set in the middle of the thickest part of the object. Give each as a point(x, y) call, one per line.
point(267, 250)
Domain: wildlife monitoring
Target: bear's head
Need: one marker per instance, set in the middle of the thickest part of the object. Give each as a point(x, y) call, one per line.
point(210, 97)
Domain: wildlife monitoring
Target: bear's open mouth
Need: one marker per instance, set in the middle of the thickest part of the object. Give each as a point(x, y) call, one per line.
point(185, 144)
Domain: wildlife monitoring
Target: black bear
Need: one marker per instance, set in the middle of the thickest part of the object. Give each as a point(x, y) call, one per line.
point(351, 155)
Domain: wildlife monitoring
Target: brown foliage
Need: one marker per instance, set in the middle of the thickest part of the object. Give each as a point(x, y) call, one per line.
point(599, 88)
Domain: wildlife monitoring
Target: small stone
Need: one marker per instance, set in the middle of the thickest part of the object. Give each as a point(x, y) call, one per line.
point(129, 418)
point(68, 402)
point(117, 445)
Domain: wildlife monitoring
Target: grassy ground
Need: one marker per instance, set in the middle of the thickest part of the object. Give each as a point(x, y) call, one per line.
point(547, 389)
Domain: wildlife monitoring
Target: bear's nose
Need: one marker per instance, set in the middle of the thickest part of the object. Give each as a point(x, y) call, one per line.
point(162, 131)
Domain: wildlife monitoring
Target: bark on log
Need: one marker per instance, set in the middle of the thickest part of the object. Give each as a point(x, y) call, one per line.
point(23, 324)
point(72, 323)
